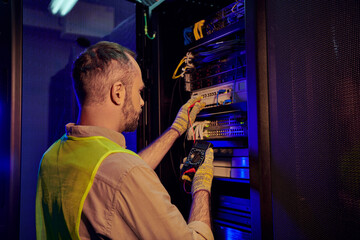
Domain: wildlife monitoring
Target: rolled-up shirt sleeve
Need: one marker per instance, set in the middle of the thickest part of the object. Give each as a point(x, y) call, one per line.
point(144, 204)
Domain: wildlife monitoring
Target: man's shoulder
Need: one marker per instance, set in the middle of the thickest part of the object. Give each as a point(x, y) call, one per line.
point(116, 166)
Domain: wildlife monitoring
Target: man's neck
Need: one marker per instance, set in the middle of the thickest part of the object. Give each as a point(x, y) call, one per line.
point(99, 116)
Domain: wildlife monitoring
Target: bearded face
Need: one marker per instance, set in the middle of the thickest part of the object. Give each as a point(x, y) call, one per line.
point(133, 101)
point(130, 113)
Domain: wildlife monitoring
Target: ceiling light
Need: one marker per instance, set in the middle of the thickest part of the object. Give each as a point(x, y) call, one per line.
point(61, 7)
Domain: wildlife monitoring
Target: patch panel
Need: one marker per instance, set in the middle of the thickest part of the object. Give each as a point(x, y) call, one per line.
point(225, 122)
point(228, 132)
point(226, 127)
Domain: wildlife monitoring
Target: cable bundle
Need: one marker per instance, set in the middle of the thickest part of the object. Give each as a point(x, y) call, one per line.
point(188, 61)
point(196, 132)
point(198, 29)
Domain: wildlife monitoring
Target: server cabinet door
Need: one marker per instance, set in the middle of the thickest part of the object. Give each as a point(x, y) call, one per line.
point(315, 118)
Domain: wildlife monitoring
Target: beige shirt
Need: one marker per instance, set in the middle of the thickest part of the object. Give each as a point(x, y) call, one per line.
point(128, 201)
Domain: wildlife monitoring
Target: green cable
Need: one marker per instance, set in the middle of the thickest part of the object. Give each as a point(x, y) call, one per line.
point(146, 29)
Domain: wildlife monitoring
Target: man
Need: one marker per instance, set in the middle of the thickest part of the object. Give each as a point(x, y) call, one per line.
point(91, 187)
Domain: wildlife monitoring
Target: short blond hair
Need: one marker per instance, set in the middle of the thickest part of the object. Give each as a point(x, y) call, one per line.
point(98, 68)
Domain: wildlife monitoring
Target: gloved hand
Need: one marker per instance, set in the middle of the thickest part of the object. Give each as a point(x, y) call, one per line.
point(204, 175)
point(181, 123)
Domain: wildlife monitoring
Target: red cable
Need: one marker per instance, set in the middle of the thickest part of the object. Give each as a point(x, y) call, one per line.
point(192, 105)
point(185, 188)
point(191, 170)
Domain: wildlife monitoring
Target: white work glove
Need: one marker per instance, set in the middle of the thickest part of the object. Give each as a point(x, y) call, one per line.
point(204, 175)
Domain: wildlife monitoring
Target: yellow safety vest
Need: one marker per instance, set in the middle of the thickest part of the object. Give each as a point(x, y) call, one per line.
point(66, 174)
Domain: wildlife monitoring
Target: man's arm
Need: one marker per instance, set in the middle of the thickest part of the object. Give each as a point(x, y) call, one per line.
point(201, 188)
point(155, 152)
point(144, 204)
point(200, 208)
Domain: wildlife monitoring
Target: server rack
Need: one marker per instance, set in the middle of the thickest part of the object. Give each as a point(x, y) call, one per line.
point(302, 113)
point(216, 69)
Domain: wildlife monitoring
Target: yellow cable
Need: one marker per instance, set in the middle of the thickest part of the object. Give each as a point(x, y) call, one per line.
point(196, 35)
point(177, 68)
point(175, 77)
point(201, 23)
point(232, 9)
point(197, 29)
point(186, 178)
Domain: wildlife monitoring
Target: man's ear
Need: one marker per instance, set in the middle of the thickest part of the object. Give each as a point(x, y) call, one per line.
point(117, 93)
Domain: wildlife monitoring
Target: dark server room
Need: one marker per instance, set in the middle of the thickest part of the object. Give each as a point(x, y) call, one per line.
point(220, 119)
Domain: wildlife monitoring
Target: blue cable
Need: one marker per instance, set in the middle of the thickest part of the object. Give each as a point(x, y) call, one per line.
point(217, 96)
point(227, 101)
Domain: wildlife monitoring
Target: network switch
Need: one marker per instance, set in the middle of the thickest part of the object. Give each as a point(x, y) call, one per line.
point(223, 94)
